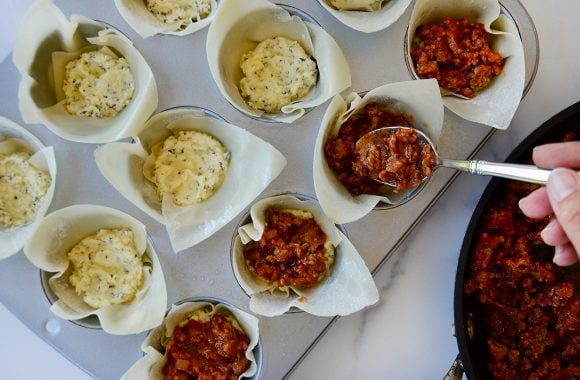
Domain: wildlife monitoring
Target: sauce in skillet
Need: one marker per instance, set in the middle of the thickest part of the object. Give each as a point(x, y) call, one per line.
point(530, 306)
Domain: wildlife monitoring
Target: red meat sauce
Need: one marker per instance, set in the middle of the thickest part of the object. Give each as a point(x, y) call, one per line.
point(209, 350)
point(340, 153)
point(400, 157)
point(456, 53)
point(530, 307)
point(291, 251)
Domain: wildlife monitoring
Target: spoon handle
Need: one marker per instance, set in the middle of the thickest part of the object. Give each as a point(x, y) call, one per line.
point(525, 173)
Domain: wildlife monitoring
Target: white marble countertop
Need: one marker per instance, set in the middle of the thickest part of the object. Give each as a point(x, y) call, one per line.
point(407, 335)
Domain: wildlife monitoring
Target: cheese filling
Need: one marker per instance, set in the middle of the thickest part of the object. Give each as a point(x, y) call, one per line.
point(97, 84)
point(355, 5)
point(179, 11)
point(189, 167)
point(276, 73)
point(106, 268)
point(22, 187)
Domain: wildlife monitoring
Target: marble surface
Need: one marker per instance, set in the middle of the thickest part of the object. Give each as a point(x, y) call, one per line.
point(407, 335)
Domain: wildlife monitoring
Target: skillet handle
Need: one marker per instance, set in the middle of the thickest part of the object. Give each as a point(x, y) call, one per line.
point(456, 370)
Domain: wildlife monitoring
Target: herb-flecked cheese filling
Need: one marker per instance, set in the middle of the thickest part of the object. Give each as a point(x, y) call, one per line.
point(179, 11)
point(352, 5)
point(22, 187)
point(106, 268)
point(189, 167)
point(276, 73)
point(97, 84)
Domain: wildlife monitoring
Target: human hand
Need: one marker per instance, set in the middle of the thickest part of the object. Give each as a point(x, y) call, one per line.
point(561, 197)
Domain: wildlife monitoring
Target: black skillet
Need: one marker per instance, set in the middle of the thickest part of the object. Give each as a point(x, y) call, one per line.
point(469, 331)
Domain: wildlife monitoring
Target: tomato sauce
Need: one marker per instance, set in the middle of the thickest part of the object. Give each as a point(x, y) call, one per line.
point(401, 157)
point(291, 252)
point(340, 153)
point(530, 306)
point(456, 53)
point(209, 350)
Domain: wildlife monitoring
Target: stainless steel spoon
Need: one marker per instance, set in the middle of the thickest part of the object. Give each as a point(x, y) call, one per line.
point(525, 173)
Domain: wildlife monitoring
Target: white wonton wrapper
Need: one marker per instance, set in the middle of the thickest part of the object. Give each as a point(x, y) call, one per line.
point(137, 15)
point(419, 99)
point(371, 20)
point(240, 25)
point(254, 163)
point(60, 231)
point(14, 138)
point(150, 366)
point(496, 104)
point(348, 288)
point(45, 30)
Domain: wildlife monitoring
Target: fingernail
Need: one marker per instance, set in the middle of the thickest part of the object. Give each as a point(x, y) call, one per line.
point(562, 182)
point(557, 256)
point(548, 228)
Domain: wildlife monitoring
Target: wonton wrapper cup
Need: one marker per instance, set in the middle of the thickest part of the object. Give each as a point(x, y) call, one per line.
point(150, 366)
point(419, 99)
point(240, 25)
point(60, 231)
point(369, 21)
point(14, 138)
point(45, 30)
point(348, 288)
point(142, 21)
point(254, 163)
point(496, 104)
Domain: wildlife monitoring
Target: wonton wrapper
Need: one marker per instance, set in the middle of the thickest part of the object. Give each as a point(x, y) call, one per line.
point(369, 21)
point(45, 30)
point(419, 99)
point(348, 288)
point(240, 25)
point(254, 163)
point(150, 366)
point(14, 138)
point(496, 104)
point(145, 23)
point(60, 231)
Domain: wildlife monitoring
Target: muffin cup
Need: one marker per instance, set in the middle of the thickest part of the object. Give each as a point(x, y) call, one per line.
point(347, 288)
point(151, 364)
point(14, 138)
point(59, 232)
point(46, 42)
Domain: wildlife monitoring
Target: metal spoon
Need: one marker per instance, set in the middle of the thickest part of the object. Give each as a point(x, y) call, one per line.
point(525, 173)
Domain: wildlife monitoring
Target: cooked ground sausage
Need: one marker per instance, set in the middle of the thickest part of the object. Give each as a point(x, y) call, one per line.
point(456, 53)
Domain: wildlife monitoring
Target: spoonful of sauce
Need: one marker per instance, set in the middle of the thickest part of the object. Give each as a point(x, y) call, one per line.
point(403, 158)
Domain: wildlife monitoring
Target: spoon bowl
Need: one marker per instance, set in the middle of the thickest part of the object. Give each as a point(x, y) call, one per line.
point(396, 156)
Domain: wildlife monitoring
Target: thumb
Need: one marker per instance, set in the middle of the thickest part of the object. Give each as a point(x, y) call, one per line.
point(563, 189)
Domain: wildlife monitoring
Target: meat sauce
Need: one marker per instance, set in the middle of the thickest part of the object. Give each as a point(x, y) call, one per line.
point(530, 308)
point(292, 251)
point(400, 157)
point(340, 152)
point(207, 350)
point(456, 53)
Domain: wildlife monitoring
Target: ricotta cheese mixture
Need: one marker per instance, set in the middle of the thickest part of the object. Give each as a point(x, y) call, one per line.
point(97, 84)
point(106, 268)
point(179, 11)
point(276, 73)
point(355, 5)
point(22, 187)
point(189, 167)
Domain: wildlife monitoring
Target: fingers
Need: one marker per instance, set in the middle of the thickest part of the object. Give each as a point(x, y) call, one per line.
point(551, 156)
point(563, 190)
point(554, 234)
point(565, 255)
point(537, 204)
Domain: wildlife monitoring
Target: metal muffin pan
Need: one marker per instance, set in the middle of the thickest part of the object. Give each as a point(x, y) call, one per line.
point(180, 68)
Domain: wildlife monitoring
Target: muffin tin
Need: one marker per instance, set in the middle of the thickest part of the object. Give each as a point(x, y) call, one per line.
point(180, 69)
